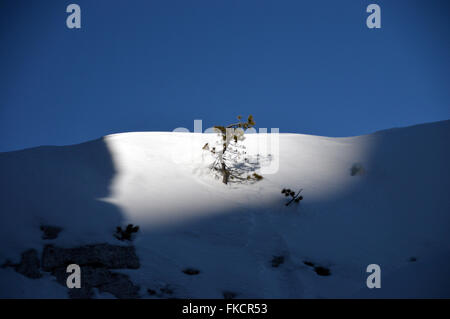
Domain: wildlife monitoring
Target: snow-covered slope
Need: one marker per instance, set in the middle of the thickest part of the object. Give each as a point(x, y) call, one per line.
point(396, 210)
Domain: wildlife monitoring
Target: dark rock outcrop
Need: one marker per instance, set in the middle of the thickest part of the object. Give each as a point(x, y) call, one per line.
point(99, 255)
point(277, 261)
point(120, 286)
point(95, 262)
point(191, 271)
point(117, 284)
point(50, 232)
point(29, 264)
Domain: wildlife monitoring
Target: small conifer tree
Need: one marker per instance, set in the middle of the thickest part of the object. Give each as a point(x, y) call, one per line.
point(230, 160)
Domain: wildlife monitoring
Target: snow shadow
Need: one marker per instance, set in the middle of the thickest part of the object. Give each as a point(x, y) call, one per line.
point(59, 186)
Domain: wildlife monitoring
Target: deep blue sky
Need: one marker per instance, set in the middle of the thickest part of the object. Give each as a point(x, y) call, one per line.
point(309, 67)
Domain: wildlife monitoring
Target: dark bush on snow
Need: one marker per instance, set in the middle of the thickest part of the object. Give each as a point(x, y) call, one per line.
point(294, 197)
point(127, 233)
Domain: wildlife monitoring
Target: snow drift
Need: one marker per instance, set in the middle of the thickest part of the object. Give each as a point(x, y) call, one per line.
point(375, 199)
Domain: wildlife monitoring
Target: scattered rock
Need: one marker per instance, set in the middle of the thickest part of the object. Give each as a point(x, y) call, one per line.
point(8, 263)
point(277, 261)
point(50, 232)
point(151, 292)
point(191, 271)
point(99, 255)
point(322, 271)
point(29, 264)
point(166, 289)
point(229, 295)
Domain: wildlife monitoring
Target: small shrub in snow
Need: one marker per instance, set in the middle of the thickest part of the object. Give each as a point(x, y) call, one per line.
point(294, 197)
point(255, 176)
point(230, 160)
point(357, 169)
point(277, 261)
point(127, 233)
point(50, 232)
point(191, 271)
